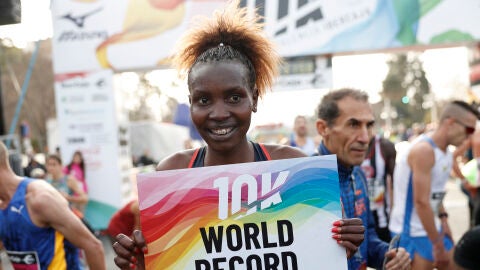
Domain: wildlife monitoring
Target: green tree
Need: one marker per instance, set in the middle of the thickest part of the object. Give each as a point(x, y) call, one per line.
point(141, 105)
point(407, 87)
point(39, 103)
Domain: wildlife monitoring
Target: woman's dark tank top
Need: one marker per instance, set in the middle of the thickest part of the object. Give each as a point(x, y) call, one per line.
point(198, 157)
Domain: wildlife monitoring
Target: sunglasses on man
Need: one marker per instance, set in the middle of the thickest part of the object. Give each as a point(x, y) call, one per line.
point(468, 129)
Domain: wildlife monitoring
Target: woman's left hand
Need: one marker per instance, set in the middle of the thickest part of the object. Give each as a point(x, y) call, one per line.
point(349, 233)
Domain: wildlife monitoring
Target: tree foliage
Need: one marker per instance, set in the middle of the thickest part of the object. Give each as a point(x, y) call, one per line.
point(406, 80)
point(39, 102)
point(148, 102)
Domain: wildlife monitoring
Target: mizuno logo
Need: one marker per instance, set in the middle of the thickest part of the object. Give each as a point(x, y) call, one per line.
point(17, 210)
point(79, 21)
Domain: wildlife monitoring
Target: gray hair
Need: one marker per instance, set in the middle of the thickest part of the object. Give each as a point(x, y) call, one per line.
point(328, 108)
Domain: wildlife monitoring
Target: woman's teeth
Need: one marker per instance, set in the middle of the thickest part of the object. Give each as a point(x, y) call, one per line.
point(221, 131)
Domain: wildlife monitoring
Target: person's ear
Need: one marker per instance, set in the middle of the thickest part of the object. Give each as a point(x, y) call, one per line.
point(322, 127)
point(254, 100)
point(190, 99)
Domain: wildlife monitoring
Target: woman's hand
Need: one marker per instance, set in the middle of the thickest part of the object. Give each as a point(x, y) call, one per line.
point(130, 251)
point(349, 233)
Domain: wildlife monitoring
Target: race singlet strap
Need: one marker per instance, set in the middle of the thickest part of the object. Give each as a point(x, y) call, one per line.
point(193, 160)
point(261, 153)
point(198, 157)
point(430, 141)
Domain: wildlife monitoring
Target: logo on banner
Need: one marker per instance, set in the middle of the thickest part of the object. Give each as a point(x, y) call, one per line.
point(100, 83)
point(79, 21)
point(303, 15)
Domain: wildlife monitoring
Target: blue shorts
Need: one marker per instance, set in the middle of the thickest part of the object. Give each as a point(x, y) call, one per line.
point(422, 246)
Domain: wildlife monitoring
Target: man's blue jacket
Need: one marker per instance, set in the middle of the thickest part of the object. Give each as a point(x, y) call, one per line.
point(354, 197)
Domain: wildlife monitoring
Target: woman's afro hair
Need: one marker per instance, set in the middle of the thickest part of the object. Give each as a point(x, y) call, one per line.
point(230, 35)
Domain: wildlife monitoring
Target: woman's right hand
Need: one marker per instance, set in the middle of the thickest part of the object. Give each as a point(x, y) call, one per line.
point(130, 251)
point(349, 233)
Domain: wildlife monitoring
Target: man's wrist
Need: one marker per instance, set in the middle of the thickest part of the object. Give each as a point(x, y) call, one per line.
point(438, 244)
point(443, 215)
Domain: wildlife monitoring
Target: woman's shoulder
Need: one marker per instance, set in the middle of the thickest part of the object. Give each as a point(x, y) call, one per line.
point(178, 160)
point(278, 151)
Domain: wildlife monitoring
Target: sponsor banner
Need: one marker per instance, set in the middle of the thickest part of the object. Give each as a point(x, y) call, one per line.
point(87, 122)
point(260, 215)
point(120, 34)
point(320, 27)
point(126, 35)
point(144, 33)
point(79, 27)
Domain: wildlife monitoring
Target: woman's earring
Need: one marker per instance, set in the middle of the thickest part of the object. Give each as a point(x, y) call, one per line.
point(254, 108)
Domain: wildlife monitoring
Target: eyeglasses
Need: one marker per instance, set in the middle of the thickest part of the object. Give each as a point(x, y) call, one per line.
point(468, 129)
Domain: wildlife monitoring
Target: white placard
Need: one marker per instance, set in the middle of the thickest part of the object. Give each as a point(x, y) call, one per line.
point(87, 122)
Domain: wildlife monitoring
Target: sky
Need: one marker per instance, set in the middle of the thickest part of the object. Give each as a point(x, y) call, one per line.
point(446, 69)
point(36, 23)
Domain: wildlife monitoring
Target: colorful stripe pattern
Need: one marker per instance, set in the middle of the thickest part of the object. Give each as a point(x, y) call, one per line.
point(175, 204)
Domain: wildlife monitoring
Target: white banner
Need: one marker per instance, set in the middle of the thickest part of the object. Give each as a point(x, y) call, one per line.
point(140, 34)
point(120, 34)
point(87, 122)
point(78, 29)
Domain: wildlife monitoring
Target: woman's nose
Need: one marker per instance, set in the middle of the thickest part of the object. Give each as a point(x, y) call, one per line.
point(219, 111)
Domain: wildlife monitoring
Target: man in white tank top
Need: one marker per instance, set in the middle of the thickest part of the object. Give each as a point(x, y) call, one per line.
point(421, 173)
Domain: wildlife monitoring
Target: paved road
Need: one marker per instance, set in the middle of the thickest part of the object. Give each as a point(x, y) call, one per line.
point(456, 205)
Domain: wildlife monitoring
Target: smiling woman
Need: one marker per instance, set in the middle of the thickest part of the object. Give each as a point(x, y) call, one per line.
point(221, 117)
point(229, 64)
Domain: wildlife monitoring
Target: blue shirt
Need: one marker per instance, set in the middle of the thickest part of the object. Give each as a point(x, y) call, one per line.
point(354, 196)
point(29, 246)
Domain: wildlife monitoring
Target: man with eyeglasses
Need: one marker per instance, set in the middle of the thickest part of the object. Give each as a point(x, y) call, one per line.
point(420, 176)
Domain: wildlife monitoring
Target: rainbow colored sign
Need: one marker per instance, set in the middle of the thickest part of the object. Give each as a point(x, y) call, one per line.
point(261, 215)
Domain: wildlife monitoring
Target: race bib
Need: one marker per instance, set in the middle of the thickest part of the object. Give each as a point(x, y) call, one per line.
point(436, 200)
point(24, 260)
point(376, 192)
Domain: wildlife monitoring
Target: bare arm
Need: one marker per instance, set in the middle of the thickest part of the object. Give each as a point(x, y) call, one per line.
point(283, 151)
point(79, 195)
point(136, 214)
point(390, 155)
point(421, 160)
point(444, 220)
point(49, 209)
